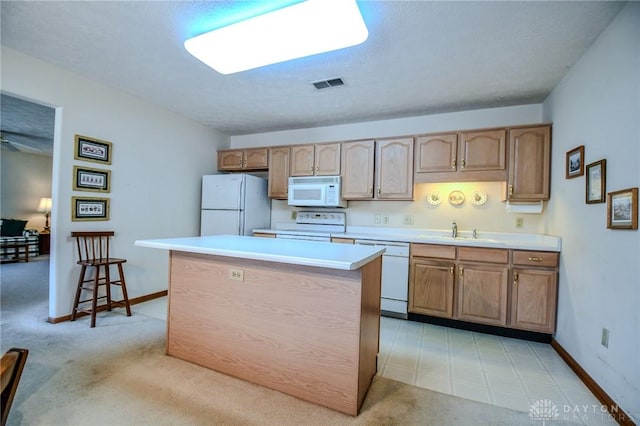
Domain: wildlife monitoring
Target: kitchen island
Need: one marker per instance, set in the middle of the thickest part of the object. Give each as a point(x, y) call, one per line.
point(299, 317)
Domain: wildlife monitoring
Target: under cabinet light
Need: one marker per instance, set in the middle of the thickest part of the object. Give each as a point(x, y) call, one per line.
point(303, 29)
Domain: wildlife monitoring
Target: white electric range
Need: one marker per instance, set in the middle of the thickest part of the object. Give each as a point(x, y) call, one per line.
point(314, 226)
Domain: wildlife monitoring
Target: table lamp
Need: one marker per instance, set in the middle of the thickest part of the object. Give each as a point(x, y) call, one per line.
point(45, 207)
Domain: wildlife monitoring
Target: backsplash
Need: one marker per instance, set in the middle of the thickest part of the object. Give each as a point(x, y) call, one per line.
point(490, 216)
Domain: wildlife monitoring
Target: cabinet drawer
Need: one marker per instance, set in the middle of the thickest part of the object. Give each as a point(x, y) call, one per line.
point(535, 258)
point(433, 250)
point(477, 254)
point(342, 240)
point(264, 235)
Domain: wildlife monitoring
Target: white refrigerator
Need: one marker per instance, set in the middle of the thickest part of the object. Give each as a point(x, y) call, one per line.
point(234, 204)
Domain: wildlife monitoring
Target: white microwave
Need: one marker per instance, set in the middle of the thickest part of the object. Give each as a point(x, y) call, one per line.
point(316, 191)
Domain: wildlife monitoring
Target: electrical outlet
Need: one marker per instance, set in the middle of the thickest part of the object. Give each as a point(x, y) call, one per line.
point(385, 220)
point(407, 219)
point(236, 274)
point(378, 219)
point(519, 222)
point(294, 215)
point(605, 338)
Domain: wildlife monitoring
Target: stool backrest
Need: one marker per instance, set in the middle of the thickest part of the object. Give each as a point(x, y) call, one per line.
point(93, 245)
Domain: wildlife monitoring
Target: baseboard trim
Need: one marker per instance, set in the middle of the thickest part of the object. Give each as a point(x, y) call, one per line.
point(615, 411)
point(133, 301)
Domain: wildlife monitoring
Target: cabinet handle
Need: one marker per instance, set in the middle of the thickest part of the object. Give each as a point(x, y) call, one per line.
point(535, 259)
point(370, 190)
point(453, 164)
point(461, 271)
point(515, 278)
point(317, 168)
point(463, 163)
point(452, 271)
point(311, 169)
point(378, 190)
point(510, 189)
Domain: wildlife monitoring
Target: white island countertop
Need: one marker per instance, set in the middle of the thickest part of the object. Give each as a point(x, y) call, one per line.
point(296, 252)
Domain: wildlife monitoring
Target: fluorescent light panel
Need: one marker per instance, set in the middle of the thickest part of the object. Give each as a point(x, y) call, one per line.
point(303, 29)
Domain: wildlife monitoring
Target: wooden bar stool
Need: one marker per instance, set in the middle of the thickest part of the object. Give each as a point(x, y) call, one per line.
point(93, 251)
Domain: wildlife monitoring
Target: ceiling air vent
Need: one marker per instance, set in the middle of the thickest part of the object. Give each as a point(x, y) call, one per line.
point(324, 84)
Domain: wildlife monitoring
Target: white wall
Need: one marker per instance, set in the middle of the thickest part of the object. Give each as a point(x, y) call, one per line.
point(490, 217)
point(597, 105)
point(25, 178)
point(157, 164)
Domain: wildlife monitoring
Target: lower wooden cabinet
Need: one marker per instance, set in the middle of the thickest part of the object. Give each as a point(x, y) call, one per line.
point(431, 292)
point(482, 293)
point(499, 287)
point(533, 301)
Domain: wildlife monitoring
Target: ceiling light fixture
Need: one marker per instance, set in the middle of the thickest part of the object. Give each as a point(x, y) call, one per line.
point(303, 29)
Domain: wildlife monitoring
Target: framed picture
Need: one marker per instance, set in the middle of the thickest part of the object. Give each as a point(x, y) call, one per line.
point(89, 208)
point(596, 186)
point(575, 162)
point(87, 179)
point(622, 209)
point(91, 149)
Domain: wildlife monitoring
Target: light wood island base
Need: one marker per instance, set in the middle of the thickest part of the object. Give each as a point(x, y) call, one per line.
point(306, 331)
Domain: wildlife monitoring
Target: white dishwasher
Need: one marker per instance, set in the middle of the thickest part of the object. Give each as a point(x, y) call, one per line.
point(395, 277)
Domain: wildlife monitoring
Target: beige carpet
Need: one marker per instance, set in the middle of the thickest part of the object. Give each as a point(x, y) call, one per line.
point(118, 374)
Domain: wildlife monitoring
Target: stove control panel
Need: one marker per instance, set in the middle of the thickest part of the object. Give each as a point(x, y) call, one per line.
point(322, 218)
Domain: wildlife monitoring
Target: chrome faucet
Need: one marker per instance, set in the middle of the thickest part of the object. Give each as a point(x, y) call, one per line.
point(454, 229)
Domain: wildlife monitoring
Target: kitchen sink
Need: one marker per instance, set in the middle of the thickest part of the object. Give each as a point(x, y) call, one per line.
point(470, 239)
point(464, 239)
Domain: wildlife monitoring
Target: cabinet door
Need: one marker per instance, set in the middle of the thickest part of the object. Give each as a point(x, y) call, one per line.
point(394, 169)
point(482, 293)
point(436, 153)
point(302, 160)
point(327, 159)
point(529, 164)
point(230, 159)
point(533, 299)
point(357, 161)
point(256, 159)
point(278, 172)
point(431, 287)
point(483, 151)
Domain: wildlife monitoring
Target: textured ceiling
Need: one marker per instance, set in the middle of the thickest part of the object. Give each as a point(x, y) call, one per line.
point(421, 57)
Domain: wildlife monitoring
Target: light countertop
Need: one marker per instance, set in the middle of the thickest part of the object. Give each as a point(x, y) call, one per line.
point(308, 253)
point(516, 241)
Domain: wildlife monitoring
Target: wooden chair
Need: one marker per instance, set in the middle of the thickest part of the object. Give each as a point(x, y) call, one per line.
point(11, 366)
point(93, 252)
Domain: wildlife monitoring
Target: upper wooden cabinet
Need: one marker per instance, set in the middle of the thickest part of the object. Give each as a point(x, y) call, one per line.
point(394, 169)
point(380, 170)
point(465, 156)
point(357, 167)
point(318, 160)
point(279, 172)
point(529, 164)
point(243, 159)
point(436, 153)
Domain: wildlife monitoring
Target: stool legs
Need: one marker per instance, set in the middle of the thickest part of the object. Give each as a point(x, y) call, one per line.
point(99, 279)
point(76, 301)
point(123, 286)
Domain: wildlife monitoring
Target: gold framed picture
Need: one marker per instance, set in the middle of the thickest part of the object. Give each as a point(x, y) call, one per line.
point(622, 209)
point(89, 208)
